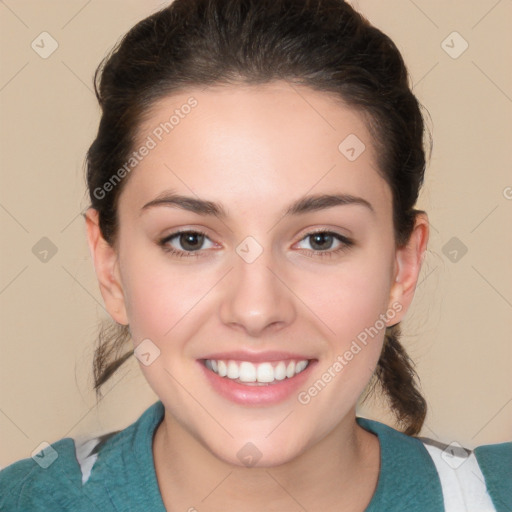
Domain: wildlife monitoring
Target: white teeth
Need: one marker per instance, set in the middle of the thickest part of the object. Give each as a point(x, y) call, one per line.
point(301, 365)
point(246, 371)
point(222, 368)
point(280, 371)
point(233, 371)
point(265, 372)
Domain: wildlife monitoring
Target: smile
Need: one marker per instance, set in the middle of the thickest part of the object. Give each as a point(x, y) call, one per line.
point(256, 374)
point(256, 378)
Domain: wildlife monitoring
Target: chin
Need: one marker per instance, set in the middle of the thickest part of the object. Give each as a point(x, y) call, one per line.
point(255, 454)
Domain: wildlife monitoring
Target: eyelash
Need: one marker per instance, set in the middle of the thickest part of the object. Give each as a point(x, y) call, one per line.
point(346, 244)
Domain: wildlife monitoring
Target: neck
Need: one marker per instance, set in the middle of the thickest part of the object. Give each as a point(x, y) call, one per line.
point(339, 472)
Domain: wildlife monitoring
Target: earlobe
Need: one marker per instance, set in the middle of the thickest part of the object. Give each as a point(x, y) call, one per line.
point(408, 262)
point(105, 261)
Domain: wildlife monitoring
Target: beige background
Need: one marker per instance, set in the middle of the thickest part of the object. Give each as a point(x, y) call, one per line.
point(459, 328)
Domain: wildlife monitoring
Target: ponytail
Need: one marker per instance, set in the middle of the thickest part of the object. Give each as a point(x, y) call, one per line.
point(397, 377)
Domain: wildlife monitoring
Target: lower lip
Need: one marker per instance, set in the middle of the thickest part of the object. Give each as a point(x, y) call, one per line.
point(273, 393)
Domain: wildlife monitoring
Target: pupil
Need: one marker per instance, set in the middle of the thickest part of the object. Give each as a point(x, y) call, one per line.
point(321, 237)
point(188, 239)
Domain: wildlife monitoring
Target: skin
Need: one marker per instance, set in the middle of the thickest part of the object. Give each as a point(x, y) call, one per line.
point(256, 149)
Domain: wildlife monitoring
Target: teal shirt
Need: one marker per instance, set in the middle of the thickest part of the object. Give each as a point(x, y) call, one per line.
point(119, 474)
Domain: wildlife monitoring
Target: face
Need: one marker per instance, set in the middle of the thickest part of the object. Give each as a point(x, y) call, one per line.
point(257, 282)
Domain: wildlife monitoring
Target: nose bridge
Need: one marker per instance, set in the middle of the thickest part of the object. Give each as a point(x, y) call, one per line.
point(257, 297)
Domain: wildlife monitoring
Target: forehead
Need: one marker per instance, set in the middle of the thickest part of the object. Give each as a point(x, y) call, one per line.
point(241, 144)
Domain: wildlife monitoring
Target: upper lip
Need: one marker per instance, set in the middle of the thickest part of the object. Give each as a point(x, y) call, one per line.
point(256, 357)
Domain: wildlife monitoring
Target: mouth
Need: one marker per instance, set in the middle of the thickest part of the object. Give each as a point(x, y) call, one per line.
point(256, 374)
point(252, 383)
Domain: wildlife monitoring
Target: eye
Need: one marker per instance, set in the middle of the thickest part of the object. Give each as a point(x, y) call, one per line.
point(190, 240)
point(322, 241)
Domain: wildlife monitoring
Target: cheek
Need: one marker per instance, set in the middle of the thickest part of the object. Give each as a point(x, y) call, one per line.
point(351, 298)
point(163, 304)
point(159, 295)
point(350, 303)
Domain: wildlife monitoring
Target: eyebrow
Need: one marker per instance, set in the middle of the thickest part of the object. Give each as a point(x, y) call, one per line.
point(303, 205)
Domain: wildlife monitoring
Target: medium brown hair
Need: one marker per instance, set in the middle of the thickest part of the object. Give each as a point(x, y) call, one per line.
point(323, 44)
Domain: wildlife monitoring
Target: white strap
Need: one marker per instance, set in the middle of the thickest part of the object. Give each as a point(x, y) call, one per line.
point(86, 460)
point(462, 481)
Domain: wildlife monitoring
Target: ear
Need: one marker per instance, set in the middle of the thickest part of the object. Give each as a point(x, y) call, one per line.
point(408, 261)
point(107, 269)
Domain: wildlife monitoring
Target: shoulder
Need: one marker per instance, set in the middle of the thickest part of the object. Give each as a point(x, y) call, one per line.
point(479, 476)
point(495, 461)
point(54, 477)
point(450, 476)
point(106, 472)
point(408, 479)
point(53, 473)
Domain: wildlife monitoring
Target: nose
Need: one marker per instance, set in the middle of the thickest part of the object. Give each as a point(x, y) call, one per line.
point(257, 298)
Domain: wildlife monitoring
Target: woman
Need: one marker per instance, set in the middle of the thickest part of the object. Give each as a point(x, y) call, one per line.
point(253, 231)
